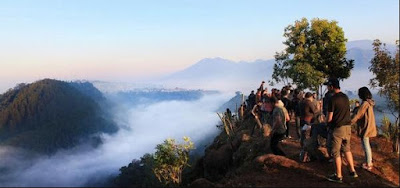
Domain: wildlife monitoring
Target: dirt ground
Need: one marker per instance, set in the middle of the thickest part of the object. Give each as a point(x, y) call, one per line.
point(288, 172)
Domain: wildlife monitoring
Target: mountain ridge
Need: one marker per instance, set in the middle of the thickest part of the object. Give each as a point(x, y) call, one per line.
point(48, 115)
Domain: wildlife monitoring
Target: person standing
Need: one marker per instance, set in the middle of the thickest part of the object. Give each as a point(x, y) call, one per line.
point(356, 107)
point(296, 110)
point(287, 105)
point(251, 100)
point(340, 122)
point(366, 126)
point(307, 113)
point(278, 126)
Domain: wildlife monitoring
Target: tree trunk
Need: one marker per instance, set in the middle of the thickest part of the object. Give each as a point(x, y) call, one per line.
point(395, 142)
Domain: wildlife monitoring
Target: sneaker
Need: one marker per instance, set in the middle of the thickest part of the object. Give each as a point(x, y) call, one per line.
point(353, 174)
point(335, 178)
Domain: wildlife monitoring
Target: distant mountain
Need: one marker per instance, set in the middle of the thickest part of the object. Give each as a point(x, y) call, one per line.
point(49, 115)
point(222, 74)
point(362, 53)
point(234, 103)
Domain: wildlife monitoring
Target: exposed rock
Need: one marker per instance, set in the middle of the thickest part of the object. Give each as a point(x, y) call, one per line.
point(217, 161)
point(277, 160)
point(201, 182)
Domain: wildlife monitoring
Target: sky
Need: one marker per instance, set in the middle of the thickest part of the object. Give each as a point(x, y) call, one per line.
point(129, 40)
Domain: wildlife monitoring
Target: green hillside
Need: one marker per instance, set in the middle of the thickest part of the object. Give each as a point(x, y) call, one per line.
point(48, 115)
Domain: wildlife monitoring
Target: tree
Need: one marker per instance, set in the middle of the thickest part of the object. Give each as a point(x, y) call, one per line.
point(170, 159)
point(313, 53)
point(386, 70)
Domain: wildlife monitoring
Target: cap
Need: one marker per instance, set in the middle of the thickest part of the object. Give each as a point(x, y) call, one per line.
point(332, 82)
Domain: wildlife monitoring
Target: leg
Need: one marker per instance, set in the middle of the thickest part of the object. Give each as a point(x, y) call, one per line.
point(274, 144)
point(349, 157)
point(337, 139)
point(338, 166)
point(367, 151)
point(298, 127)
point(287, 129)
point(346, 147)
point(329, 142)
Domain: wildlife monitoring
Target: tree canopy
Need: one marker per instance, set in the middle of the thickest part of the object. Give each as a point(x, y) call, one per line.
point(314, 51)
point(386, 70)
point(49, 115)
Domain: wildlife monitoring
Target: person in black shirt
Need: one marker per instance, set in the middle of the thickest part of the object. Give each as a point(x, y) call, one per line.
point(340, 122)
point(251, 100)
point(288, 106)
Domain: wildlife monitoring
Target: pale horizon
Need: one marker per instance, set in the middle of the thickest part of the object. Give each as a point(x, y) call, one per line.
point(133, 40)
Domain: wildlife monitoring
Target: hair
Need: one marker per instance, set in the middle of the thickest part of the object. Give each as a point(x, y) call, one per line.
point(278, 96)
point(284, 92)
point(308, 95)
point(364, 93)
point(296, 91)
point(273, 100)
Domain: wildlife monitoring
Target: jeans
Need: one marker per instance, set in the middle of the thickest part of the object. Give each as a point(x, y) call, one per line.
point(276, 137)
point(329, 142)
point(287, 128)
point(318, 130)
point(367, 150)
point(298, 127)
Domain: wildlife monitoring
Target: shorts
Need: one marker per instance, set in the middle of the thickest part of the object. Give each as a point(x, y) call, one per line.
point(341, 140)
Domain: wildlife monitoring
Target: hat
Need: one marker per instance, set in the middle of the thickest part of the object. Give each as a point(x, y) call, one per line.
point(333, 82)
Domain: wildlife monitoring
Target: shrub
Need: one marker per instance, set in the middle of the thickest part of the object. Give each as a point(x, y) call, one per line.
point(388, 130)
point(170, 159)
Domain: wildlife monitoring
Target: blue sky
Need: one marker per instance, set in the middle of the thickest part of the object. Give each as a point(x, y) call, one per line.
point(125, 40)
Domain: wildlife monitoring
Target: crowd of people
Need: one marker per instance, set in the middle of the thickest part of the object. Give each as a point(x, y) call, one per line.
point(329, 118)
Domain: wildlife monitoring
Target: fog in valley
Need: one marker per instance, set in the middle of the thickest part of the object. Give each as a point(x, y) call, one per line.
point(142, 127)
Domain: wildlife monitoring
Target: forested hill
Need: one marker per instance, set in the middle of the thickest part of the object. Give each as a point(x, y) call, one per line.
point(49, 115)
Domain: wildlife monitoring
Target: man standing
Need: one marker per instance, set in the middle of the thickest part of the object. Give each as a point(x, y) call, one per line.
point(307, 114)
point(251, 100)
point(339, 122)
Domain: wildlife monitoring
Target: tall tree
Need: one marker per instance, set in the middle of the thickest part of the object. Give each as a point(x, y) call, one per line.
point(314, 51)
point(386, 69)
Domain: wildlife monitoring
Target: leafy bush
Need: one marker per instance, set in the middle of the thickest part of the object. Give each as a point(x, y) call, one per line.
point(170, 159)
point(139, 173)
point(388, 130)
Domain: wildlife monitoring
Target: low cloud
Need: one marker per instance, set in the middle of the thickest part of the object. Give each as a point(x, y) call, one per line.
point(142, 128)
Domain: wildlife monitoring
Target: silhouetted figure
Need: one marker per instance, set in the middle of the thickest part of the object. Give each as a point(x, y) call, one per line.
point(251, 100)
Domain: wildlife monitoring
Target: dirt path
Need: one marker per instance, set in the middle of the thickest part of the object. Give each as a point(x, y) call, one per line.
point(288, 172)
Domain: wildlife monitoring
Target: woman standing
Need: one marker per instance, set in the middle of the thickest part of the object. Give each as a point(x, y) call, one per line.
point(366, 126)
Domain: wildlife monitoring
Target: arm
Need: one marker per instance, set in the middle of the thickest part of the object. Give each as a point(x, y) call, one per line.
point(287, 115)
point(361, 111)
point(329, 119)
point(330, 112)
point(253, 111)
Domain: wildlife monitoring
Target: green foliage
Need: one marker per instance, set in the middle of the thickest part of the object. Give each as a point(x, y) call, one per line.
point(139, 173)
point(386, 70)
point(353, 101)
point(170, 159)
point(313, 53)
point(388, 130)
point(48, 115)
